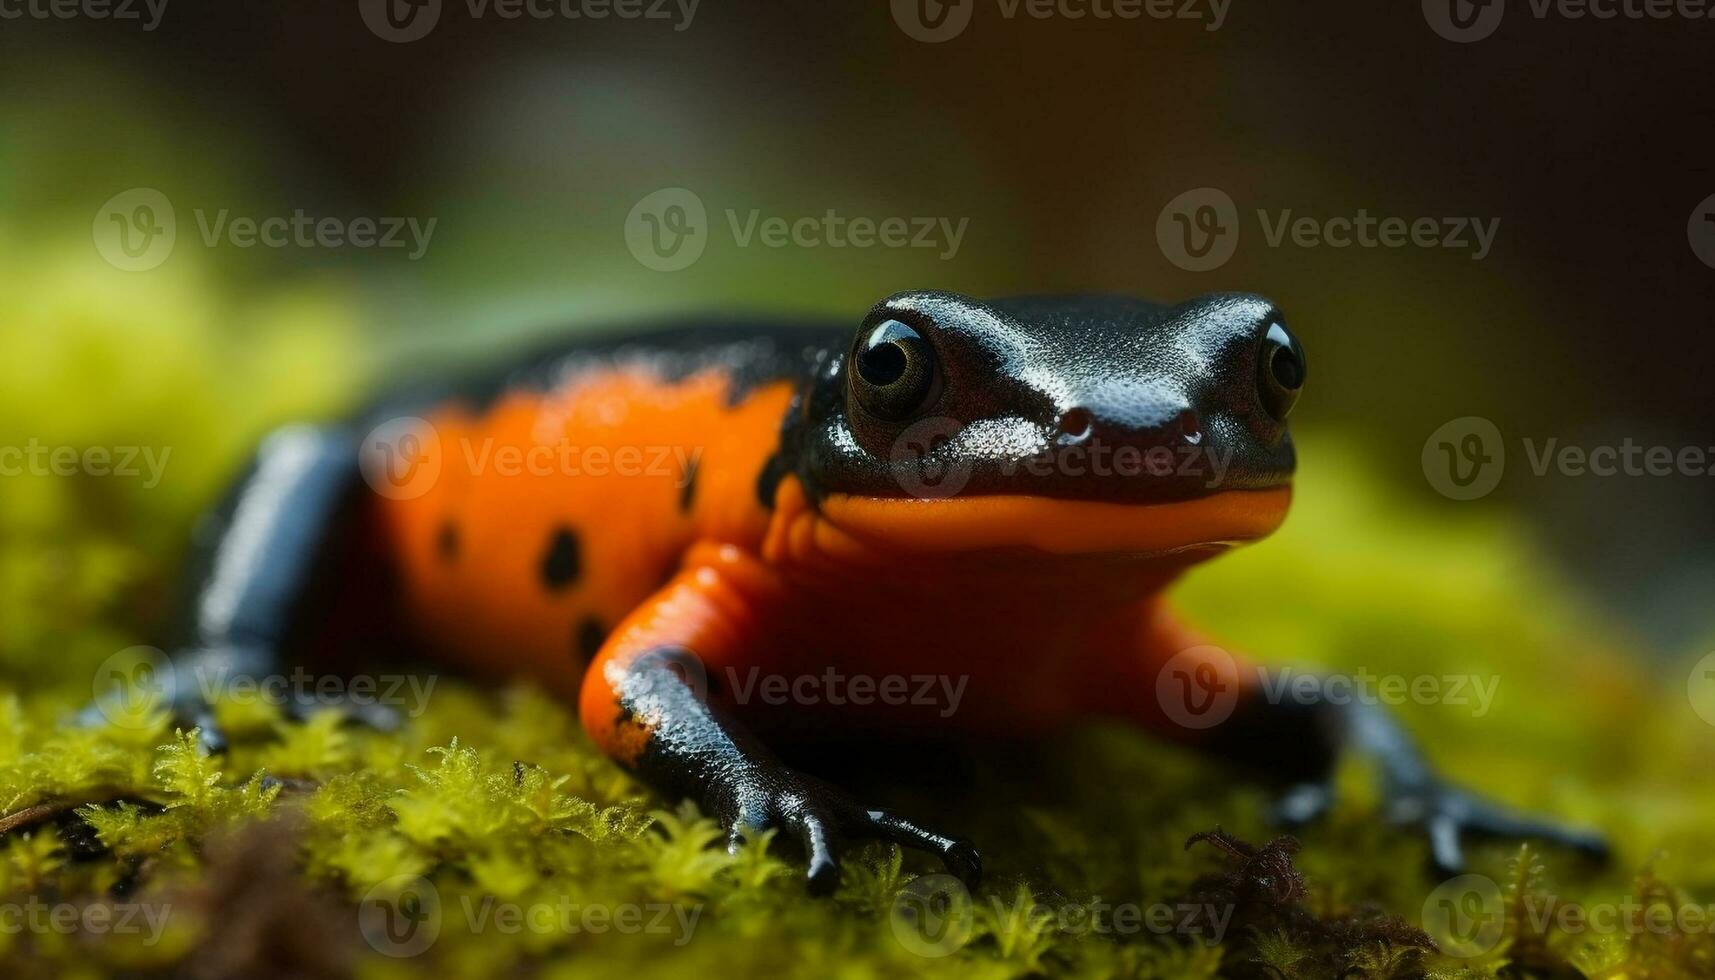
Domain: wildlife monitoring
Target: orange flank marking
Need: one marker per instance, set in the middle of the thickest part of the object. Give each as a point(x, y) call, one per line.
point(603, 456)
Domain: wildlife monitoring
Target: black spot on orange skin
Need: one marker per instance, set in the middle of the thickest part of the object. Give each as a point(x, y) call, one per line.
point(591, 635)
point(447, 541)
point(563, 562)
point(768, 481)
point(688, 492)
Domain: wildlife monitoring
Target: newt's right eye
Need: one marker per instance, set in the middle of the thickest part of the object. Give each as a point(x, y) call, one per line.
point(893, 371)
point(1280, 371)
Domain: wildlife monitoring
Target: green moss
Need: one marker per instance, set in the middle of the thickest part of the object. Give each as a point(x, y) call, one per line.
point(294, 840)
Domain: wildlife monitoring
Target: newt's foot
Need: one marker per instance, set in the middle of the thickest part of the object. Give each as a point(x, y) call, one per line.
point(181, 685)
point(1446, 815)
point(822, 818)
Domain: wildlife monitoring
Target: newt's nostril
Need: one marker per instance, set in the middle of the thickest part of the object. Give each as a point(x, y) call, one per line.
point(1190, 427)
point(1075, 424)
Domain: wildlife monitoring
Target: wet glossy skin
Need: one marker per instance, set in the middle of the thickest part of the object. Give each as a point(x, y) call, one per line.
point(1026, 378)
point(993, 492)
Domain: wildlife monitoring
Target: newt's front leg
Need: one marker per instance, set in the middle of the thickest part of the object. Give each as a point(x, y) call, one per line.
point(1293, 738)
point(645, 702)
point(1412, 793)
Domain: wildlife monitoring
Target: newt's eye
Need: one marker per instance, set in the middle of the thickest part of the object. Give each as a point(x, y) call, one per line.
point(893, 372)
point(1280, 371)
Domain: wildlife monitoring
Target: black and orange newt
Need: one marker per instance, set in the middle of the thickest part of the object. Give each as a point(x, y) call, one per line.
point(640, 525)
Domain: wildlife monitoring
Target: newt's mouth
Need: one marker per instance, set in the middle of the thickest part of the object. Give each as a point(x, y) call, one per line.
point(1068, 527)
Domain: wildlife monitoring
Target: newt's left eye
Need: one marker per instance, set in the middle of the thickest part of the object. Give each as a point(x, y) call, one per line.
point(893, 370)
point(1280, 371)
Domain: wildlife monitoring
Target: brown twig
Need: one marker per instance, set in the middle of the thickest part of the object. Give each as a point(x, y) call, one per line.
point(30, 816)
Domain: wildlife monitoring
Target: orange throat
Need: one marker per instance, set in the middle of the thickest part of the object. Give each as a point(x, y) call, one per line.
point(845, 524)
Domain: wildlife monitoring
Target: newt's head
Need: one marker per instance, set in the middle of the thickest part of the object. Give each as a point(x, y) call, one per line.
point(1081, 424)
